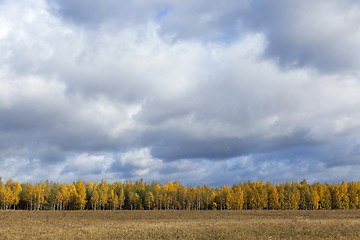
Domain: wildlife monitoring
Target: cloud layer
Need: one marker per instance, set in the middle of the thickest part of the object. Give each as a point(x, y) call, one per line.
point(200, 92)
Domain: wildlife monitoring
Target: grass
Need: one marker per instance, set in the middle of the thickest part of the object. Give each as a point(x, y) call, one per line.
point(180, 224)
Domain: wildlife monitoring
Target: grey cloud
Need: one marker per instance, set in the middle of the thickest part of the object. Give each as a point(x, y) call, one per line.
point(322, 35)
point(213, 19)
point(51, 131)
point(209, 20)
point(92, 14)
point(78, 99)
point(174, 144)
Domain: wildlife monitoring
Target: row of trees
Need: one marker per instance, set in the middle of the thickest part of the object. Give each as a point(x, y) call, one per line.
point(172, 195)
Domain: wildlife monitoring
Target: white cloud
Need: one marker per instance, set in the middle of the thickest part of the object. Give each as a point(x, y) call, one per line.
point(73, 97)
point(4, 27)
point(140, 158)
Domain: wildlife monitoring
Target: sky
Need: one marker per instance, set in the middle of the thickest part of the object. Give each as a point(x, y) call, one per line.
point(202, 92)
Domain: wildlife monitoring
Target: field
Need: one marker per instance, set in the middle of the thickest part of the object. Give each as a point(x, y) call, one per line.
point(180, 224)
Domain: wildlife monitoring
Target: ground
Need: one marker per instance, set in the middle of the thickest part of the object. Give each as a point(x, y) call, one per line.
point(180, 224)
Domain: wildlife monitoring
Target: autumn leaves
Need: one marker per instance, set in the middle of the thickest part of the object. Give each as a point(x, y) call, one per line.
point(172, 195)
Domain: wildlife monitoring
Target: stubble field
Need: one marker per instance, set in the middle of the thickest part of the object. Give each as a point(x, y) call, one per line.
point(180, 225)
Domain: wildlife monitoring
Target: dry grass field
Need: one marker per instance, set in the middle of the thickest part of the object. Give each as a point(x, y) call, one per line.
point(180, 225)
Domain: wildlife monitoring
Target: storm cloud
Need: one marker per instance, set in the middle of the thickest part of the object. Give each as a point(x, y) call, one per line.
point(207, 92)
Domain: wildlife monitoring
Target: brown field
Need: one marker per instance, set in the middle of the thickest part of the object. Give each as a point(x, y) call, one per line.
point(180, 224)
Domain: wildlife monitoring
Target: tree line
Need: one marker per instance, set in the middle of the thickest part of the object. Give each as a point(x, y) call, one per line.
point(172, 195)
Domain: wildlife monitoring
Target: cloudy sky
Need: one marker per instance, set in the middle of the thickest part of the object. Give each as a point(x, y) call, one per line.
point(203, 92)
